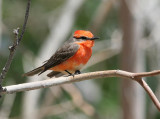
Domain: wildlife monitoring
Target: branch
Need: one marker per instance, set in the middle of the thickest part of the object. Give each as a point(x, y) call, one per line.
point(86, 76)
point(14, 46)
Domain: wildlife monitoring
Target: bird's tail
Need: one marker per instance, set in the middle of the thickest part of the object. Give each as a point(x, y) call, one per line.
point(34, 71)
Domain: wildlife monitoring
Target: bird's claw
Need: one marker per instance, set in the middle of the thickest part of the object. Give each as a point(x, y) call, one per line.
point(71, 75)
point(77, 72)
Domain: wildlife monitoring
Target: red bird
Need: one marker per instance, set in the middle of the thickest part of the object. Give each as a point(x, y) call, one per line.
point(71, 57)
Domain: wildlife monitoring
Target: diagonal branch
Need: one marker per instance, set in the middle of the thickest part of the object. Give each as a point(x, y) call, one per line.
point(150, 93)
point(86, 76)
point(15, 44)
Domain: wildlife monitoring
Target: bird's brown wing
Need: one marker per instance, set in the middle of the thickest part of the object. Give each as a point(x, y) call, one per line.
point(61, 55)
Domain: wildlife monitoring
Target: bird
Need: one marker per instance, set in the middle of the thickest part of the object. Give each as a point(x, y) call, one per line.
point(70, 57)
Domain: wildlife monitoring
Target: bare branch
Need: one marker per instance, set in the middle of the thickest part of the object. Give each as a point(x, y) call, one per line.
point(86, 76)
point(150, 93)
point(14, 46)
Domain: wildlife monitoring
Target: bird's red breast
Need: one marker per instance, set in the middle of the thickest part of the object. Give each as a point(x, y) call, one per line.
point(80, 58)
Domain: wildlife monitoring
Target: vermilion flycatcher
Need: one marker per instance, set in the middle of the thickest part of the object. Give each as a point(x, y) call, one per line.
point(71, 57)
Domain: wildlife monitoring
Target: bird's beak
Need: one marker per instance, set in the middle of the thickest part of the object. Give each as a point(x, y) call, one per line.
point(94, 38)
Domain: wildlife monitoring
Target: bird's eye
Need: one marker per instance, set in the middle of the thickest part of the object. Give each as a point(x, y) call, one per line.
point(83, 37)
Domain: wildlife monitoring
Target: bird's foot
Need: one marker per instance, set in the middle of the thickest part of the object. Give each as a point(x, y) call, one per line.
point(77, 72)
point(70, 74)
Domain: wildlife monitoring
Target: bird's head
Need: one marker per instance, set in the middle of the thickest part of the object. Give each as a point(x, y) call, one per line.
point(84, 37)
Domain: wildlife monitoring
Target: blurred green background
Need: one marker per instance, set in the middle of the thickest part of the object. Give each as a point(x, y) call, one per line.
point(129, 40)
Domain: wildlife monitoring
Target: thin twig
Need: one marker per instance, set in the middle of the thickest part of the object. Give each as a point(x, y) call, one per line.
point(86, 76)
point(15, 44)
